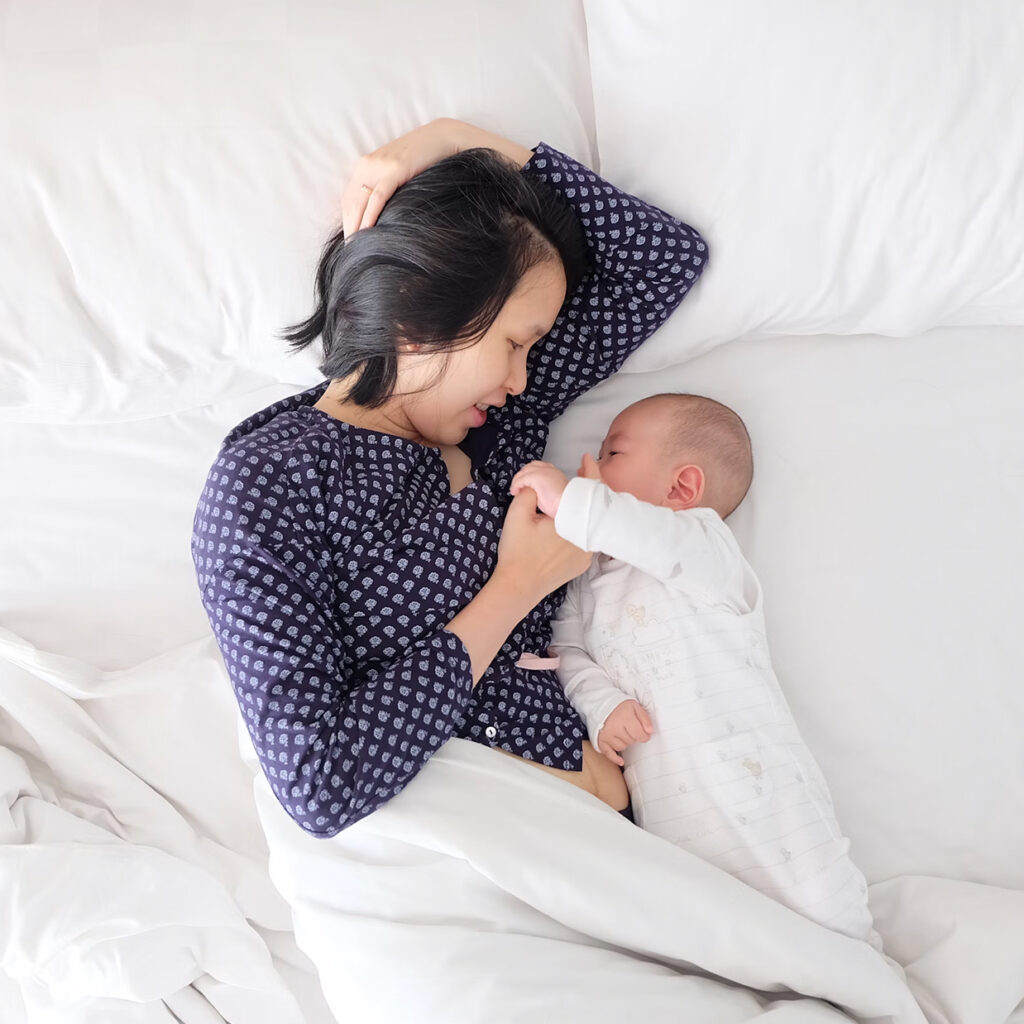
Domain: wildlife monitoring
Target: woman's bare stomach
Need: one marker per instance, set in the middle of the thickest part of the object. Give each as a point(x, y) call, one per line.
point(598, 776)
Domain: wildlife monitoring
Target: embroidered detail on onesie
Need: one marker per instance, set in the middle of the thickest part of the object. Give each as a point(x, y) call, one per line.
point(650, 631)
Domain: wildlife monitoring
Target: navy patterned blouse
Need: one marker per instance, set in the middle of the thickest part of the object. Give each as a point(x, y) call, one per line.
point(330, 557)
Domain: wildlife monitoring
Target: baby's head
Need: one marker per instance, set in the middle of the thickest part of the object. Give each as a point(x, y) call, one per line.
point(680, 451)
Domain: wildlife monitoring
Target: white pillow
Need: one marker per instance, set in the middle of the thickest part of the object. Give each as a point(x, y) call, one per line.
point(170, 173)
point(855, 167)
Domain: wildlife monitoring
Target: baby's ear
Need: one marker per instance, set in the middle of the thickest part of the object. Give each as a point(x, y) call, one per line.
point(687, 489)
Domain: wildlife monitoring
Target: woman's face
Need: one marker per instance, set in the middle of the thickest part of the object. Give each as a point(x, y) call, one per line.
point(485, 373)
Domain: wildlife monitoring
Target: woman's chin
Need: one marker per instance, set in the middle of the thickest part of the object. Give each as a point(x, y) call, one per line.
point(448, 437)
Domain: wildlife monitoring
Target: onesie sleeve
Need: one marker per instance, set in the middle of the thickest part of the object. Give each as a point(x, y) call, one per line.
point(644, 263)
point(334, 742)
point(691, 549)
point(590, 690)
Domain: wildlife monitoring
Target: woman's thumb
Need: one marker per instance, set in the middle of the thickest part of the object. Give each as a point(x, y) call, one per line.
point(524, 503)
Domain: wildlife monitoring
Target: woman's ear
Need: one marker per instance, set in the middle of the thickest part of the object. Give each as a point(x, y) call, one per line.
point(687, 488)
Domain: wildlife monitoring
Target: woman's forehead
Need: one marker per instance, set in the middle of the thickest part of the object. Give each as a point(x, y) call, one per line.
point(536, 299)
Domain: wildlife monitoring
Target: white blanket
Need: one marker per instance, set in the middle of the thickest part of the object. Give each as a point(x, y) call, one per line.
point(489, 891)
point(134, 889)
point(133, 884)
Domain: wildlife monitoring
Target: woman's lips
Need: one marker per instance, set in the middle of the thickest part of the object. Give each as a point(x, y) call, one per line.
point(479, 416)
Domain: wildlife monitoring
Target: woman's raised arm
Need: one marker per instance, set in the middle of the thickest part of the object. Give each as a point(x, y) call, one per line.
point(377, 175)
point(645, 262)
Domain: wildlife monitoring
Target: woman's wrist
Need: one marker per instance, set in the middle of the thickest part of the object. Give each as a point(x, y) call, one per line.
point(518, 588)
point(486, 622)
point(469, 136)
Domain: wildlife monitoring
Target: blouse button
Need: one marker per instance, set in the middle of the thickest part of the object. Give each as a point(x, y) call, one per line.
point(491, 732)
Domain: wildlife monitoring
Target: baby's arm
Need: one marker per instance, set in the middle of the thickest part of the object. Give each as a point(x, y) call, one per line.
point(692, 548)
point(591, 691)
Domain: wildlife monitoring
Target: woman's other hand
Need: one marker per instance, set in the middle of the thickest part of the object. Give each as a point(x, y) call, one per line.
point(532, 553)
point(377, 176)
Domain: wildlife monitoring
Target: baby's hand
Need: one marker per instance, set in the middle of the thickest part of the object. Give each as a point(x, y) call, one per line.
point(629, 723)
point(548, 481)
point(589, 469)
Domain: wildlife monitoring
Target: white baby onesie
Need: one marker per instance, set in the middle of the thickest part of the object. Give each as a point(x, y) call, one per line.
point(670, 615)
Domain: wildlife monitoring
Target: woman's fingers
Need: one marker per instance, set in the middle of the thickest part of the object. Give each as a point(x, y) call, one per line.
point(353, 199)
point(527, 480)
point(530, 546)
point(352, 207)
point(371, 185)
point(523, 504)
point(378, 175)
point(361, 205)
point(375, 201)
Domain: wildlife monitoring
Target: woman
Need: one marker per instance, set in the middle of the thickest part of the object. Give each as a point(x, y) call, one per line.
point(370, 584)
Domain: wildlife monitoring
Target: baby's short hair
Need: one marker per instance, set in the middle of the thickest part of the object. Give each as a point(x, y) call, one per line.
point(705, 430)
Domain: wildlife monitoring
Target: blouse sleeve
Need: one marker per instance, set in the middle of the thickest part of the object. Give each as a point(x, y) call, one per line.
point(644, 263)
point(334, 743)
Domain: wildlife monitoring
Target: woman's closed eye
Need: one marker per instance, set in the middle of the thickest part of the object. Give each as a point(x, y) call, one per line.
point(515, 345)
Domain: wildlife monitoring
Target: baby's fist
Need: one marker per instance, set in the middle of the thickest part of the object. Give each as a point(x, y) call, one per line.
point(629, 723)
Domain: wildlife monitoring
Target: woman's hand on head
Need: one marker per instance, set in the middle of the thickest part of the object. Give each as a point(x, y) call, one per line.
point(377, 176)
point(532, 553)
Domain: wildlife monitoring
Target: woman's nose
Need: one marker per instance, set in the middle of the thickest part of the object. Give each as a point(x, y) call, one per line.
point(516, 382)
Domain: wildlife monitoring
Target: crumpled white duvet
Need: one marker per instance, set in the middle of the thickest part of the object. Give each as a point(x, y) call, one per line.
point(128, 862)
point(134, 889)
point(489, 891)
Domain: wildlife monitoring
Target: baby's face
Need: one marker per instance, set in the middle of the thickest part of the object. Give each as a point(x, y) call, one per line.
point(631, 457)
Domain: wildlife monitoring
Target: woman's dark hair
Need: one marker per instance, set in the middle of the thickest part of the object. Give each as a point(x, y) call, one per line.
point(448, 249)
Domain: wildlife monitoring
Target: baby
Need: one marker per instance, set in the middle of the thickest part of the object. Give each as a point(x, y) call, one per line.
point(663, 653)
